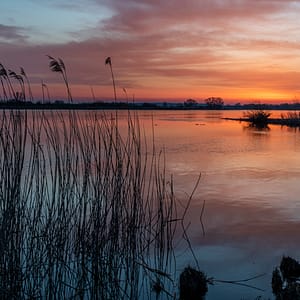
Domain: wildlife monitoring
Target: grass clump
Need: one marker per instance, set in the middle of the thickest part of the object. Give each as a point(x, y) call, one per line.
point(285, 279)
point(258, 118)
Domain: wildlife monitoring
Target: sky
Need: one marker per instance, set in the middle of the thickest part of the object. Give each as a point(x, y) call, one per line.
point(241, 50)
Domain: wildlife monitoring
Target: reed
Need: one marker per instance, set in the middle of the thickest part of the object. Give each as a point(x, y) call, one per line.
point(19, 96)
point(23, 73)
point(8, 91)
point(108, 62)
point(45, 87)
point(58, 65)
point(86, 209)
point(291, 118)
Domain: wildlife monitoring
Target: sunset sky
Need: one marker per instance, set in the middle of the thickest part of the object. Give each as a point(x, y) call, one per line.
point(240, 50)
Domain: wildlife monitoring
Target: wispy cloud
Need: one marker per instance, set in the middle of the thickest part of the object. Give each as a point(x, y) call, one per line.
point(12, 33)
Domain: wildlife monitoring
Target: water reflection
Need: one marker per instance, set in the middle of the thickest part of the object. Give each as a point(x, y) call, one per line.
point(250, 184)
point(216, 114)
point(252, 128)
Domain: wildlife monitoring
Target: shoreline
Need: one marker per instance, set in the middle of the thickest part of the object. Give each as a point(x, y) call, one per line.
point(61, 105)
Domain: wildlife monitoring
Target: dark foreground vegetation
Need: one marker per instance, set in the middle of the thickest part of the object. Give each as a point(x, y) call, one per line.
point(85, 211)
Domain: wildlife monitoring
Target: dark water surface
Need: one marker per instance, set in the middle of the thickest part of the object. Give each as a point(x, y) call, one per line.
point(250, 182)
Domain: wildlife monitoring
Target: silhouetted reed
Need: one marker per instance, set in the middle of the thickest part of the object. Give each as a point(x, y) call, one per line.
point(108, 62)
point(57, 65)
point(291, 118)
point(85, 211)
point(9, 90)
point(45, 87)
point(20, 96)
point(7, 87)
point(22, 72)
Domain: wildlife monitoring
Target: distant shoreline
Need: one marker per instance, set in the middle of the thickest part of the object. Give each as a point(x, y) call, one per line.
point(22, 105)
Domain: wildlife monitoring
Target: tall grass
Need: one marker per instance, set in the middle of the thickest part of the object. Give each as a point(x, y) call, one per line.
point(291, 118)
point(86, 209)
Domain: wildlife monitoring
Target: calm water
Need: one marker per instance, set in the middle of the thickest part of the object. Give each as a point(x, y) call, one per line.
point(250, 182)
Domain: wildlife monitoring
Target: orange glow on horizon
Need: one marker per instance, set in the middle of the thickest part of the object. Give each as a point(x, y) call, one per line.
point(174, 94)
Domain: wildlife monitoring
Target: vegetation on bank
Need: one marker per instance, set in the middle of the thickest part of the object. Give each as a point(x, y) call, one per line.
point(258, 118)
point(261, 119)
point(291, 119)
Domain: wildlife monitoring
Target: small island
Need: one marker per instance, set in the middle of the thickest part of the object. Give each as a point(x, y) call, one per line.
point(261, 119)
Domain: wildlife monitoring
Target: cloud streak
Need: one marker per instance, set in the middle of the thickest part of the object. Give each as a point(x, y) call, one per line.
point(12, 33)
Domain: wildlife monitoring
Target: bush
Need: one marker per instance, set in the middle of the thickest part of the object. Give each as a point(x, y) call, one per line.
point(258, 118)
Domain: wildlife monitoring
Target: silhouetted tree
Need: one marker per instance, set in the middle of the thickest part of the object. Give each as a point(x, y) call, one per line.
point(214, 102)
point(190, 103)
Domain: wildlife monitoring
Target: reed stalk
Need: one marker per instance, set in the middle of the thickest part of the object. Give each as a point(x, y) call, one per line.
point(108, 62)
point(10, 89)
point(58, 65)
point(22, 72)
point(19, 96)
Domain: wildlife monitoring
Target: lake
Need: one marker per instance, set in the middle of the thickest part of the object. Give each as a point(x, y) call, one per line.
point(250, 185)
point(81, 201)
